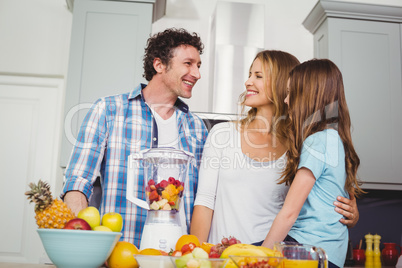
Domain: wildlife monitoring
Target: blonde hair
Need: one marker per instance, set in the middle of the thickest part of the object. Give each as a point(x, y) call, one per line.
point(276, 66)
point(317, 102)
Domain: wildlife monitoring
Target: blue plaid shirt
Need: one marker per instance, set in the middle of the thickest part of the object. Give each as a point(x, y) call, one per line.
point(115, 127)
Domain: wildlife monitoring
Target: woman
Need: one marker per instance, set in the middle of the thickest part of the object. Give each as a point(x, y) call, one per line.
point(238, 192)
point(322, 162)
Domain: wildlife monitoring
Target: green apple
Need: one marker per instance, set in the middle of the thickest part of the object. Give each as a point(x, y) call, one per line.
point(102, 228)
point(91, 215)
point(113, 220)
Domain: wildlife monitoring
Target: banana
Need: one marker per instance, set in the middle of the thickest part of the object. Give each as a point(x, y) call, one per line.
point(246, 250)
point(271, 252)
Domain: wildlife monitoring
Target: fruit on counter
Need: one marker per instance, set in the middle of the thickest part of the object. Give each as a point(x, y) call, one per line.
point(164, 195)
point(77, 224)
point(206, 246)
point(50, 213)
point(270, 252)
point(216, 250)
point(150, 251)
point(188, 248)
point(186, 239)
point(198, 258)
point(91, 215)
point(102, 228)
point(122, 256)
point(256, 262)
point(243, 250)
point(113, 220)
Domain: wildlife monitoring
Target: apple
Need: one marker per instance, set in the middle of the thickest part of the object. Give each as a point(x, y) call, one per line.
point(102, 228)
point(113, 220)
point(77, 224)
point(91, 215)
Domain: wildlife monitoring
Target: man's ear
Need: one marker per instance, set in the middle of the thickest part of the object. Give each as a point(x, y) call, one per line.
point(158, 65)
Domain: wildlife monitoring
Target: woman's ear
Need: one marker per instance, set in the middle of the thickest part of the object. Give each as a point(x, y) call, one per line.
point(158, 65)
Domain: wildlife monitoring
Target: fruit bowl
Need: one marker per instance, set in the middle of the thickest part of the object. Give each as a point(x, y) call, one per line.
point(255, 261)
point(78, 248)
point(180, 262)
point(152, 261)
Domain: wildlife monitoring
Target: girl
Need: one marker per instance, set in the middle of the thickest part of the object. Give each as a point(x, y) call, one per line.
point(322, 162)
point(238, 192)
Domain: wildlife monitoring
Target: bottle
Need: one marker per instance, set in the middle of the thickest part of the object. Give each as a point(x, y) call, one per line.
point(376, 251)
point(369, 251)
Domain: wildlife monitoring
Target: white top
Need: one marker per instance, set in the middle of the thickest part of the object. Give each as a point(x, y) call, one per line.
point(243, 193)
point(168, 134)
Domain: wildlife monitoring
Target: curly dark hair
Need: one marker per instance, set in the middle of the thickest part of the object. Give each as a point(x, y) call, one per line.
point(162, 45)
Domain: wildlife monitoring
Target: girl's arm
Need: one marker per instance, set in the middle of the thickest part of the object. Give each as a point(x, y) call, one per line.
point(297, 195)
point(201, 222)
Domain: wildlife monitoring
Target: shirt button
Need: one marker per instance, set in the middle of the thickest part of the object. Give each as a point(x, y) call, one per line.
point(154, 139)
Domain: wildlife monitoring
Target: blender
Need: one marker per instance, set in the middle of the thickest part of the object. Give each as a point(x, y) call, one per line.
point(165, 170)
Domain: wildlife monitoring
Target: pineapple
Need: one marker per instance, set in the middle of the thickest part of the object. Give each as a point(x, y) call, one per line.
point(50, 213)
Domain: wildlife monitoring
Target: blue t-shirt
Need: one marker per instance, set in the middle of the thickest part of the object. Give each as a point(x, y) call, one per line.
point(318, 223)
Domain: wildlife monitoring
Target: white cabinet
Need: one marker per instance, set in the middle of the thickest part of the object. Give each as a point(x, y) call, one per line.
point(107, 47)
point(365, 43)
point(30, 109)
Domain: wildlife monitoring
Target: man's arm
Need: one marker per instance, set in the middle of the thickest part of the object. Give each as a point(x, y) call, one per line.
point(347, 208)
point(76, 201)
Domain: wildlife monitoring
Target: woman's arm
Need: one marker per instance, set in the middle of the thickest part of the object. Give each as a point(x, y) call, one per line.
point(297, 195)
point(201, 222)
point(347, 208)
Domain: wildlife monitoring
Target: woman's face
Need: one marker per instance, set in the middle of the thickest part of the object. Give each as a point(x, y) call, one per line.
point(256, 95)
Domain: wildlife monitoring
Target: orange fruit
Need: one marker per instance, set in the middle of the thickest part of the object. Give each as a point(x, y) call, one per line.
point(150, 251)
point(206, 246)
point(164, 253)
point(122, 256)
point(185, 239)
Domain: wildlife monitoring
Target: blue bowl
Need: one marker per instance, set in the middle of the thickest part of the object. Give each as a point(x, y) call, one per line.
point(78, 248)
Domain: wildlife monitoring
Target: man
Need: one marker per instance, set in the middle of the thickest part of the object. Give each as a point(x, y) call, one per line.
point(117, 126)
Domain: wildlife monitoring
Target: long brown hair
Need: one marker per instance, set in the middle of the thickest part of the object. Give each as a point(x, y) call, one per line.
point(317, 102)
point(276, 66)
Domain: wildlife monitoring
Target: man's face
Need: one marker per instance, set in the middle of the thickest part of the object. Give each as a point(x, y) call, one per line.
point(183, 72)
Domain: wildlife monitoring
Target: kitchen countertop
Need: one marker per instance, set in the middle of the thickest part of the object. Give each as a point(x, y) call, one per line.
point(25, 265)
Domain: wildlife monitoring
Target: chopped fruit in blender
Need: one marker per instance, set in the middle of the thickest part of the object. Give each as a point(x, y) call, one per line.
point(154, 206)
point(166, 207)
point(176, 183)
point(171, 180)
point(153, 196)
point(162, 202)
point(166, 194)
point(163, 183)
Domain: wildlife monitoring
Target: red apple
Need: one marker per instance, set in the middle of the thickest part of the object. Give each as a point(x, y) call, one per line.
point(77, 224)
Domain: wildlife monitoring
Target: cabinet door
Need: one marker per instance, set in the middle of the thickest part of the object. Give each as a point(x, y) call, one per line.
point(369, 56)
point(30, 121)
point(107, 45)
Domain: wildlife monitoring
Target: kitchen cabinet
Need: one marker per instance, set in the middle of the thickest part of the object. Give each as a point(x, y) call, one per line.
point(365, 43)
point(107, 45)
point(30, 109)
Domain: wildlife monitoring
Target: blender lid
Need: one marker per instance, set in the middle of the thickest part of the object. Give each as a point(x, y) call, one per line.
point(166, 153)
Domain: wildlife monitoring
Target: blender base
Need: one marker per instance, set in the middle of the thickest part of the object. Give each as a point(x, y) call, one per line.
point(160, 236)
